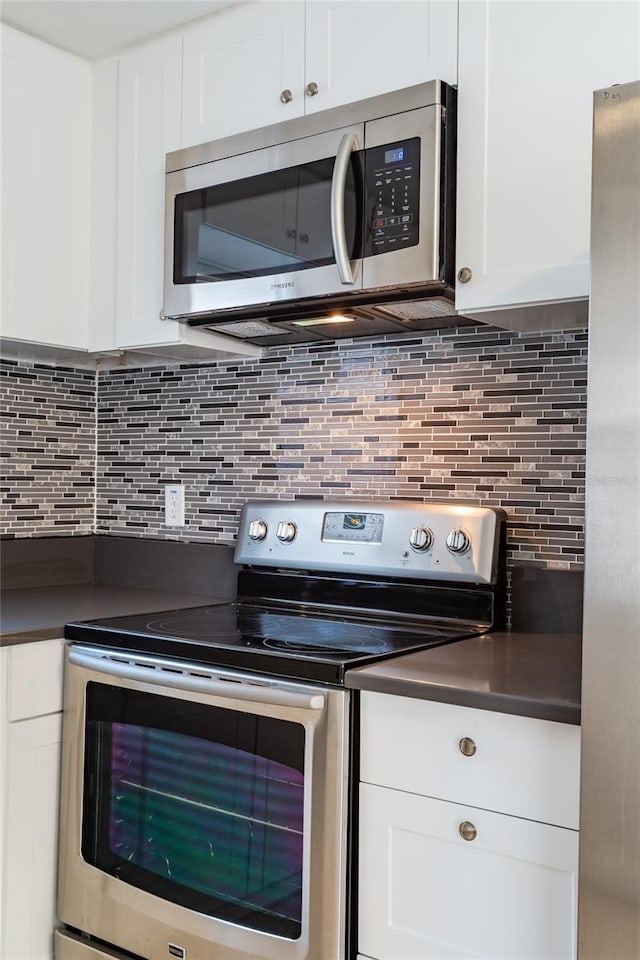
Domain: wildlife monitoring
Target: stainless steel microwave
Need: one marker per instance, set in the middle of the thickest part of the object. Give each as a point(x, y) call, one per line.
point(337, 224)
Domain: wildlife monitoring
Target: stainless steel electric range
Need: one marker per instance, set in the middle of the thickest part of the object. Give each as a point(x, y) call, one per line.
point(208, 803)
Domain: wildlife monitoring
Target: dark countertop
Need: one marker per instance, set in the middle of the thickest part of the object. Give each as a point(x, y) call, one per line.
point(50, 581)
point(528, 674)
point(40, 613)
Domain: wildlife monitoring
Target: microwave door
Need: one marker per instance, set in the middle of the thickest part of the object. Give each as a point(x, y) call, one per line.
point(277, 224)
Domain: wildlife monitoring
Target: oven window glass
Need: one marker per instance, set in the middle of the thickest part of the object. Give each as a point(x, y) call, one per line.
point(198, 805)
point(276, 222)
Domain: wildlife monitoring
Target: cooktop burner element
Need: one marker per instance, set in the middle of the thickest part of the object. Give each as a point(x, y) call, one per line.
point(315, 642)
point(328, 586)
point(199, 623)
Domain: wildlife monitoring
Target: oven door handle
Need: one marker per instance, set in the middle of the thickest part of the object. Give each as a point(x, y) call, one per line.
point(195, 678)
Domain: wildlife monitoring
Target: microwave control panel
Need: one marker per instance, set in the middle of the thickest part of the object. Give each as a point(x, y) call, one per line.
point(393, 196)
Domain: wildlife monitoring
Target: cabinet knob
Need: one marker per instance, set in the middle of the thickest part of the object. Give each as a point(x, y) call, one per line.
point(464, 274)
point(311, 89)
point(467, 830)
point(467, 746)
point(286, 96)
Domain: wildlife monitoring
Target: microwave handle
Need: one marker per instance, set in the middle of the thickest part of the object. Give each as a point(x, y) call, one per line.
point(338, 237)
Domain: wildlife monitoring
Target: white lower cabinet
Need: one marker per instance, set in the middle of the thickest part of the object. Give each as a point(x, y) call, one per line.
point(425, 892)
point(443, 878)
point(31, 732)
point(30, 854)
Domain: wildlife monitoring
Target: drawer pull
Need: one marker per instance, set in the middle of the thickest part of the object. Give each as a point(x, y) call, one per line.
point(467, 746)
point(467, 830)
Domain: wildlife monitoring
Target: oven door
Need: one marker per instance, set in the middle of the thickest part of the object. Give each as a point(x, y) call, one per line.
point(270, 225)
point(203, 811)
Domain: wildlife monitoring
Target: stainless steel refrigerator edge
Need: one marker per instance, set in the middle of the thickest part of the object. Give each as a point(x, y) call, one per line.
point(609, 893)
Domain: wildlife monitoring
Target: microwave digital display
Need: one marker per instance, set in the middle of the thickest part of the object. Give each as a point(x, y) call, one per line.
point(394, 156)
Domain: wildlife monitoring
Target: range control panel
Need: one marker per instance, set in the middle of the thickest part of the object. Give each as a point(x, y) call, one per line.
point(426, 541)
point(393, 196)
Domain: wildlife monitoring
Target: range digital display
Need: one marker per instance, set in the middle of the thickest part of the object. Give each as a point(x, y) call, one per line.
point(353, 527)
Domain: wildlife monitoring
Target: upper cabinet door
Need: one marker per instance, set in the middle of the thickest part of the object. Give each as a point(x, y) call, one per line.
point(525, 102)
point(243, 69)
point(104, 207)
point(46, 148)
point(360, 48)
point(149, 109)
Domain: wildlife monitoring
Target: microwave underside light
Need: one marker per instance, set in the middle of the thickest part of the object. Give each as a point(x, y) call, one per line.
point(320, 321)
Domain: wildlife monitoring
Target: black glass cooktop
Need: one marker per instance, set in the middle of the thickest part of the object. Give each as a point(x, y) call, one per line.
point(277, 640)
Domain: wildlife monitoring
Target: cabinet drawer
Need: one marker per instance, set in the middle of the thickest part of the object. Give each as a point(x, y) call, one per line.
point(428, 894)
point(34, 682)
point(517, 765)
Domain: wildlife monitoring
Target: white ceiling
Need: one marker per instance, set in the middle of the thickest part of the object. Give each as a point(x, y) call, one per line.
point(100, 28)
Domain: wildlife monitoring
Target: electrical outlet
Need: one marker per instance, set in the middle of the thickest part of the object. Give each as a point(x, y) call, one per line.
point(174, 505)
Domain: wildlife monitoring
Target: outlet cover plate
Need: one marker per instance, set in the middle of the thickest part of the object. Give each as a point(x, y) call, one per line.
point(174, 505)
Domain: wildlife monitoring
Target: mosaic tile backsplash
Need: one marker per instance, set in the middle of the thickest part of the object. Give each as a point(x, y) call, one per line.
point(482, 415)
point(488, 416)
point(47, 450)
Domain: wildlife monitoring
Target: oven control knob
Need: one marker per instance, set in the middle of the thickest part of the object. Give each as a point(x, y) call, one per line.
point(421, 538)
point(286, 531)
point(257, 530)
point(458, 541)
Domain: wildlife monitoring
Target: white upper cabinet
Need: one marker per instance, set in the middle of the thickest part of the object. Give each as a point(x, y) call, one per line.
point(138, 111)
point(83, 146)
point(358, 49)
point(527, 72)
point(264, 62)
point(149, 114)
point(104, 207)
point(240, 67)
point(46, 144)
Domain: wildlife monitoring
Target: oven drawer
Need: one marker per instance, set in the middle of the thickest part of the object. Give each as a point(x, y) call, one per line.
point(518, 765)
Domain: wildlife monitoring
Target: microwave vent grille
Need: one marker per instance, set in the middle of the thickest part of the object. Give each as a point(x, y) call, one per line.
point(418, 309)
point(245, 328)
